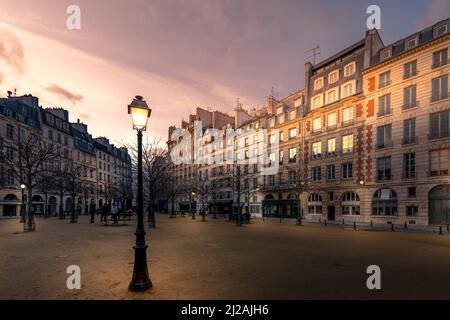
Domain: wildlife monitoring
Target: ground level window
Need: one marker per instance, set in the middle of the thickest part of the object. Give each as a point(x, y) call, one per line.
point(385, 203)
point(412, 211)
point(315, 209)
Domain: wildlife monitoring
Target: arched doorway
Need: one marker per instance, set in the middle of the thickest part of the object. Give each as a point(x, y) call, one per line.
point(37, 205)
point(350, 204)
point(439, 205)
point(385, 203)
point(69, 205)
point(10, 203)
point(52, 206)
point(314, 203)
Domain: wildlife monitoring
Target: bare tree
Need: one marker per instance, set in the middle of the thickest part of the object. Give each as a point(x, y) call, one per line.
point(202, 190)
point(172, 189)
point(238, 176)
point(74, 180)
point(25, 157)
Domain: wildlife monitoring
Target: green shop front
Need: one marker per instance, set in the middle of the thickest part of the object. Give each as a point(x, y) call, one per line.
point(280, 208)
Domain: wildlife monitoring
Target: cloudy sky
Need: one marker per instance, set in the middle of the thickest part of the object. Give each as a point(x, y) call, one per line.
point(179, 54)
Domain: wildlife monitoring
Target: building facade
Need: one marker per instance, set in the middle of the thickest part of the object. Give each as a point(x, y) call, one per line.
point(367, 140)
point(71, 179)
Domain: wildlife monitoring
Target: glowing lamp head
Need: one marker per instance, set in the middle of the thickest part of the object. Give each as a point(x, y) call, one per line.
point(140, 112)
point(22, 186)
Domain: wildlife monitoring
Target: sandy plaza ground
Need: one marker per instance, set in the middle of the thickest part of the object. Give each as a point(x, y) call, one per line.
point(190, 259)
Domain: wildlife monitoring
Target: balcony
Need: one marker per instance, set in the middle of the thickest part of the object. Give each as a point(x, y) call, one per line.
point(407, 75)
point(384, 177)
point(437, 173)
point(347, 152)
point(317, 131)
point(438, 135)
point(440, 64)
point(348, 122)
point(330, 154)
point(411, 105)
point(384, 84)
point(409, 175)
point(384, 114)
point(441, 97)
point(384, 145)
point(317, 156)
point(331, 127)
point(410, 140)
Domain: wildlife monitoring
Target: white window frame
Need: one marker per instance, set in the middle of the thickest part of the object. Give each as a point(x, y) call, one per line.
point(352, 70)
point(333, 74)
point(336, 95)
point(328, 120)
point(314, 126)
point(318, 83)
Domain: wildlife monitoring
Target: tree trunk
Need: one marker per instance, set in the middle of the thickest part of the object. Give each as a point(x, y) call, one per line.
point(151, 214)
point(29, 225)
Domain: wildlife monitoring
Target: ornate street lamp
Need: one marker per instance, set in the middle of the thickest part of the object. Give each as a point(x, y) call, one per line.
point(140, 112)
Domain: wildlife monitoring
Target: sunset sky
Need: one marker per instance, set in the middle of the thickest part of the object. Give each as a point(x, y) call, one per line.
point(179, 54)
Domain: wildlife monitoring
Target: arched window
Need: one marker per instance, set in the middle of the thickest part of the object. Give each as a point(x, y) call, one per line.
point(350, 204)
point(385, 203)
point(291, 196)
point(314, 204)
point(269, 197)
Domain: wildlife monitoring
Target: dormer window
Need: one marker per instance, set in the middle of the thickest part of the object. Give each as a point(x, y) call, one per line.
point(411, 43)
point(333, 77)
point(298, 102)
point(386, 54)
point(440, 30)
point(349, 69)
point(318, 84)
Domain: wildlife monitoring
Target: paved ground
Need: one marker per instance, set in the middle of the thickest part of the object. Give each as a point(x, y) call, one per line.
point(217, 260)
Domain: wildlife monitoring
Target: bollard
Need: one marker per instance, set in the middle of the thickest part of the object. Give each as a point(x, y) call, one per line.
point(406, 226)
point(320, 220)
point(448, 227)
point(371, 223)
point(440, 230)
point(354, 225)
point(325, 222)
point(343, 221)
point(392, 227)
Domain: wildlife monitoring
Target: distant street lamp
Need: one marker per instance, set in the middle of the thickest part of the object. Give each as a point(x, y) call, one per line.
point(22, 207)
point(140, 112)
point(190, 205)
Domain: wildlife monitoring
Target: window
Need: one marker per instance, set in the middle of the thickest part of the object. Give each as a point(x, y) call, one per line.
point(298, 102)
point(384, 105)
point(21, 135)
point(347, 115)
point(412, 211)
point(384, 169)
point(333, 77)
point(385, 203)
point(411, 43)
point(271, 140)
point(412, 192)
point(281, 157)
point(292, 133)
point(317, 125)
point(317, 150)
point(440, 58)
point(347, 89)
point(347, 171)
point(292, 177)
point(385, 54)
point(439, 88)
point(331, 147)
point(10, 154)
point(409, 69)
point(409, 97)
point(317, 101)
point(409, 165)
point(9, 131)
point(349, 69)
point(347, 144)
point(409, 131)
point(439, 162)
point(332, 96)
point(316, 174)
point(314, 204)
point(384, 79)
point(439, 125)
point(440, 30)
point(331, 120)
point(331, 172)
point(281, 136)
point(293, 113)
point(350, 204)
point(292, 155)
point(318, 84)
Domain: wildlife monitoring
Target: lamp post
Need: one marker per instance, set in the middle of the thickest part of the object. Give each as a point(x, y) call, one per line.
point(22, 207)
point(190, 205)
point(140, 112)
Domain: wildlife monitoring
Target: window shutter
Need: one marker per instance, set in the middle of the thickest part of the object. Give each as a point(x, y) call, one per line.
point(435, 89)
point(444, 87)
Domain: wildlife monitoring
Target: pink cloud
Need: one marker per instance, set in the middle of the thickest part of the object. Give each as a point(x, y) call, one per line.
point(11, 50)
point(64, 93)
